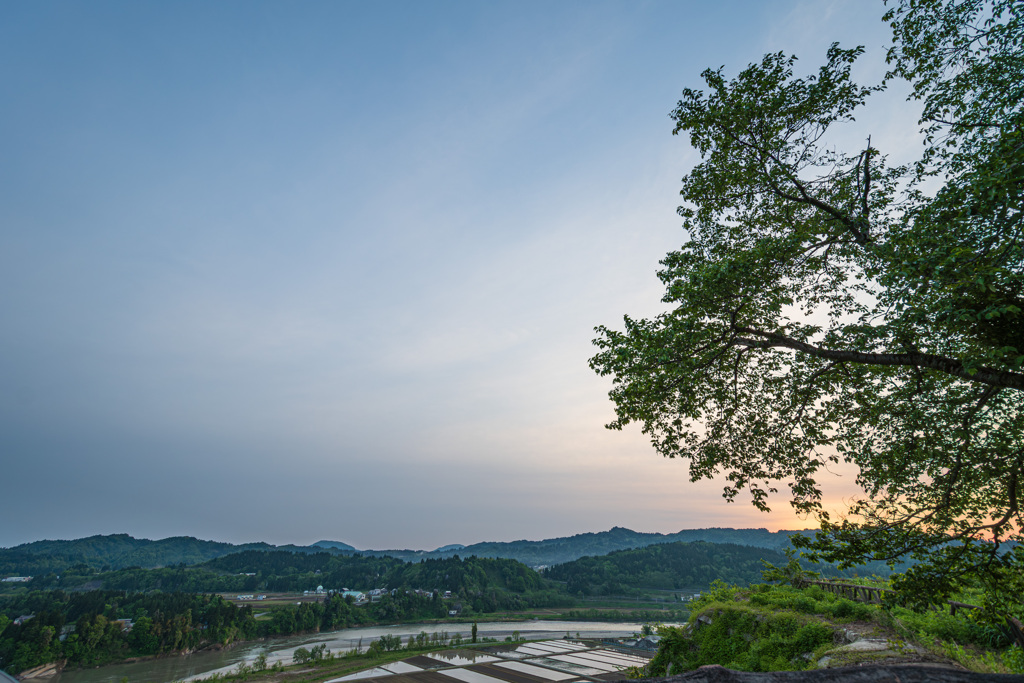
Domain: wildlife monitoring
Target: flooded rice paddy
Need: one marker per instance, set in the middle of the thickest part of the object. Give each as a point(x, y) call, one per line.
point(204, 664)
point(556, 661)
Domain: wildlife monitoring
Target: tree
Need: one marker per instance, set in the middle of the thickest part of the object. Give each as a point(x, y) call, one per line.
point(830, 306)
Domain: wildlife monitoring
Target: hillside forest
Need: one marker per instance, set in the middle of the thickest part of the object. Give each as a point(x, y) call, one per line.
point(89, 616)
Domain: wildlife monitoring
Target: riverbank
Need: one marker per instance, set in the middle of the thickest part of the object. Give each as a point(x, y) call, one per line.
point(208, 663)
point(562, 660)
point(610, 613)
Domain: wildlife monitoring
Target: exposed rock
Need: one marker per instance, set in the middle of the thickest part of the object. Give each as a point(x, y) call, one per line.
point(861, 650)
point(865, 645)
point(41, 671)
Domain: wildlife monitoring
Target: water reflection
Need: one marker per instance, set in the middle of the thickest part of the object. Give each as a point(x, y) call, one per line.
point(568, 666)
point(462, 657)
point(204, 664)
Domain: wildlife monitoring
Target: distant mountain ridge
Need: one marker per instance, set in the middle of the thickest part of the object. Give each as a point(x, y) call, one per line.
point(118, 551)
point(450, 547)
point(566, 549)
point(336, 545)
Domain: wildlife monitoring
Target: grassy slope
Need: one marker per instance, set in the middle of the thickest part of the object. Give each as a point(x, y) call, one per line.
point(768, 628)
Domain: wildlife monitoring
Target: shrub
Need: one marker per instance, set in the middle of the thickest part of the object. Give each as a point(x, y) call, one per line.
point(739, 637)
point(959, 628)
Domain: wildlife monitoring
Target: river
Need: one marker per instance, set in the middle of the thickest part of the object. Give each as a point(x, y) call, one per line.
point(203, 664)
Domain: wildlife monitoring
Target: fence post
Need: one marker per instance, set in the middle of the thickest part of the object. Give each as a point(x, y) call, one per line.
point(1017, 629)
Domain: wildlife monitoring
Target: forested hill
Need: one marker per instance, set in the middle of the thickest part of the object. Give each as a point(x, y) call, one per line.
point(671, 566)
point(120, 551)
point(287, 571)
point(559, 550)
point(281, 571)
point(291, 571)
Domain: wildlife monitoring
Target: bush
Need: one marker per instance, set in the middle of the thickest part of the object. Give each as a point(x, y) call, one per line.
point(739, 637)
point(959, 628)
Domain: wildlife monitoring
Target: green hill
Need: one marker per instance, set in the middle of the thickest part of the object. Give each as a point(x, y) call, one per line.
point(565, 549)
point(670, 566)
point(120, 551)
point(115, 551)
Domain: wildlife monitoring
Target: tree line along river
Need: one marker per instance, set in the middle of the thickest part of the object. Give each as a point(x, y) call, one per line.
point(207, 663)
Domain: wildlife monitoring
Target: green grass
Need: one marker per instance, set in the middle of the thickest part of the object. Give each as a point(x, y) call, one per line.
point(768, 628)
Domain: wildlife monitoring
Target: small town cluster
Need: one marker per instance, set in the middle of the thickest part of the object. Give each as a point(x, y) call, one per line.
point(360, 598)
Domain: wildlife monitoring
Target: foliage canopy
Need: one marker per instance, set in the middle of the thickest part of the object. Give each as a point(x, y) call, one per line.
point(830, 305)
point(667, 566)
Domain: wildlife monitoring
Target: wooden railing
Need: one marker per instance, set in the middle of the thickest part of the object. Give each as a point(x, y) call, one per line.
point(873, 595)
point(853, 591)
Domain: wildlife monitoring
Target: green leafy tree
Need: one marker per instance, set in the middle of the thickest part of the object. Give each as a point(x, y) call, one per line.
point(830, 306)
point(142, 637)
point(791, 573)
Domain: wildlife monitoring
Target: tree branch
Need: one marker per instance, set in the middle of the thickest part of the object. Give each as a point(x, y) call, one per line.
point(865, 209)
point(914, 359)
point(805, 197)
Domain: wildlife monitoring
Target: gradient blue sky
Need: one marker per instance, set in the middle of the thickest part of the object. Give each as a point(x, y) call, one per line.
point(286, 271)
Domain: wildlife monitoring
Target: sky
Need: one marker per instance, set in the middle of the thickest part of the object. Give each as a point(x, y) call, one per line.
point(287, 272)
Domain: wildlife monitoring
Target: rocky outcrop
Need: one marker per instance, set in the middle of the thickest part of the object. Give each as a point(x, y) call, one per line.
point(41, 671)
point(865, 646)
